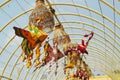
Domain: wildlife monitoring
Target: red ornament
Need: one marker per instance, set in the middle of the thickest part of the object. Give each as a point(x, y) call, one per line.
point(82, 48)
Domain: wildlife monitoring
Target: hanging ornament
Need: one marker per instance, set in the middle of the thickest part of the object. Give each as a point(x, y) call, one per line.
point(29, 63)
point(56, 68)
point(67, 48)
point(65, 65)
point(57, 53)
point(70, 63)
point(88, 72)
point(83, 71)
point(27, 53)
point(49, 68)
point(30, 41)
point(60, 36)
point(70, 50)
point(82, 47)
point(37, 55)
point(32, 37)
point(41, 17)
point(48, 53)
point(68, 74)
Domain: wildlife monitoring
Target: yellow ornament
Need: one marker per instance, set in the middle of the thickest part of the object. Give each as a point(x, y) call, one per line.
point(23, 58)
point(37, 53)
point(45, 47)
point(69, 65)
point(37, 62)
point(28, 64)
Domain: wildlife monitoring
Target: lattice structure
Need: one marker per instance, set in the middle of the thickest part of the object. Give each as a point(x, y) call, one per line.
point(78, 17)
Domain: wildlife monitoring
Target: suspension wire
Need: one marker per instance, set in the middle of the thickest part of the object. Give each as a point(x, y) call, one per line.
point(77, 10)
point(114, 23)
point(79, 16)
point(83, 26)
point(8, 15)
point(5, 33)
point(114, 16)
point(103, 27)
point(89, 12)
point(60, 12)
point(10, 18)
point(28, 3)
point(102, 18)
point(90, 15)
point(21, 7)
point(101, 12)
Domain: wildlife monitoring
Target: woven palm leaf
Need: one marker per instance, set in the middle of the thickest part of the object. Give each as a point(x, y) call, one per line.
point(60, 36)
point(41, 17)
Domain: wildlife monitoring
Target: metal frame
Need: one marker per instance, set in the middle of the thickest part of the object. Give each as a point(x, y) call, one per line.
point(115, 59)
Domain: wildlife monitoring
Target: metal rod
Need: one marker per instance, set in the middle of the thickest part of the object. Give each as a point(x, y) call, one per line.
point(4, 3)
point(4, 77)
point(49, 4)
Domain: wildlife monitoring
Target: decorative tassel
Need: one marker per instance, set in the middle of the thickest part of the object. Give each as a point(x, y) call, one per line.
point(29, 62)
point(69, 65)
point(37, 53)
point(26, 51)
point(64, 65)
point(56, 68)
point(37, 57)
point(67, 48)
point(68, 74)
point(49, 69)
point(23, 58)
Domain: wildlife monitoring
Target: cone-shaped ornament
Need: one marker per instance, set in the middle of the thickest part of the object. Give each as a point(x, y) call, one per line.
point(60, 36)
point(41, 17)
